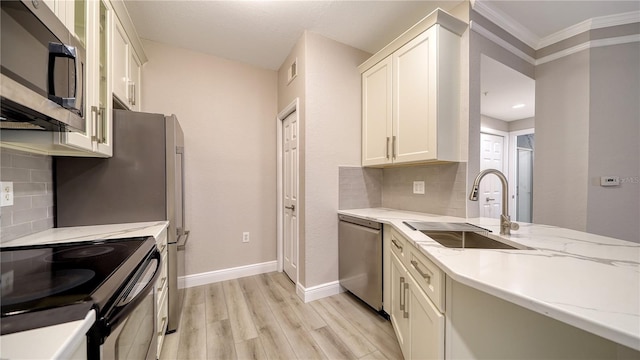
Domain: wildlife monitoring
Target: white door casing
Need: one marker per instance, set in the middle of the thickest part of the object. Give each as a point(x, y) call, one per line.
point(288, 191)
point(491, 157)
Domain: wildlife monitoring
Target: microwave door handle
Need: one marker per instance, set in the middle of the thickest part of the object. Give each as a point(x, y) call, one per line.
point(57, 50)
point(121, 311)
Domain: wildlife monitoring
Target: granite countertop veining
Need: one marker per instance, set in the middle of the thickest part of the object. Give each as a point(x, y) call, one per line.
point(589, 281)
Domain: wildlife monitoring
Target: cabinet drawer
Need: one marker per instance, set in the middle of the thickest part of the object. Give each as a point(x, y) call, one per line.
point(163, 280)
point(398, 245)
point(161, 242)
point(162, 322)
point(428, 276)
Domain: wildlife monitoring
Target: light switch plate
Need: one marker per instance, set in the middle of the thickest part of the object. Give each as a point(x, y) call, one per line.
point(418, 187)
point(7, 193)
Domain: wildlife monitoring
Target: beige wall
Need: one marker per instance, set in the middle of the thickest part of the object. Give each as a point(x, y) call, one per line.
point(333, 117)
point(227, 111)
point(560, 170)
point(614, 141)
point(330, 132)
point(587, 127)
point(287, 93)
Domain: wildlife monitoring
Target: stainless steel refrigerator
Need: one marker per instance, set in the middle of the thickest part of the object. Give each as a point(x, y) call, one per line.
point(143, 181)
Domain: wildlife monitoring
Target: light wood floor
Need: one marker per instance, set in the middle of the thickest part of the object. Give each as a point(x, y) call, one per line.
point(260, 317)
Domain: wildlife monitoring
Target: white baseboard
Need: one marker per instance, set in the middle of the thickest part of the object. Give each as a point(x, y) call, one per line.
point(227, 274)
point(318, 291)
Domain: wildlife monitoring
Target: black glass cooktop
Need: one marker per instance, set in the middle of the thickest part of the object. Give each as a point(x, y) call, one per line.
point(44, 277)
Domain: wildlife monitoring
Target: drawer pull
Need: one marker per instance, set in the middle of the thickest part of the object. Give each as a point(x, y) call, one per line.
point(162, 283)
point(406, 312)
point(164, 323)
point(423, 274)
point(393, 241)
point(402, 293)
point(161, 250)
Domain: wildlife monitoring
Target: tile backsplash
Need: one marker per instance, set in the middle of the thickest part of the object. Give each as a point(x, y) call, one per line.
point(445, 188)
point(32, 210)
point(359, 188)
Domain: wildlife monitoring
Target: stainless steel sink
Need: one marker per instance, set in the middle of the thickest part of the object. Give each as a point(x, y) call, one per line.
point(470, 240)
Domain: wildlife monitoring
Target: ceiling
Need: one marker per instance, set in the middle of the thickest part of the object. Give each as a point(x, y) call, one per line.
point(503, 88)
point(262, 33)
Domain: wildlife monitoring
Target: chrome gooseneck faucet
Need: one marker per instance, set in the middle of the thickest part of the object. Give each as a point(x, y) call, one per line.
point(505, 221)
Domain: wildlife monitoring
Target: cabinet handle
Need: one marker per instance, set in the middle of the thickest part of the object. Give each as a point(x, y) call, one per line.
point(393, 241)
point(388, 140)
point(401, 293)
point(94, 122)
point(164, 322)
point(162, 282)
point(406, 312)
point(161, 250)
point(393, 147)
point(424, 275)
point(101, 129)
point(132, 93)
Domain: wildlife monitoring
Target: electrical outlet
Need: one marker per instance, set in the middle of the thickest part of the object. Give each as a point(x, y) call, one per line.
point(6, 188)
point(245, 237)
point(418, 187)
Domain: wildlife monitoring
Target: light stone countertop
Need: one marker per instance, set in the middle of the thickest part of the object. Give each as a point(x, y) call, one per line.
point(588, 281)
point(89, 233)
point(58, 341)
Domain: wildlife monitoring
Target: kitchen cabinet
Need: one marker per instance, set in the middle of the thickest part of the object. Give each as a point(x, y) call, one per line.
point(417, 321)
point(162, 314)
point(126, 70)
point(90, 24)
point(97, 25)
point(411, 97)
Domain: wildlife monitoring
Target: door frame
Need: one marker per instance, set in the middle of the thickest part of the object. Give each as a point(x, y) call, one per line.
point(294, 106)
point(513, 168)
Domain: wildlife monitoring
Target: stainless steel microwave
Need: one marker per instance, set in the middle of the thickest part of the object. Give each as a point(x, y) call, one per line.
point(42, 69)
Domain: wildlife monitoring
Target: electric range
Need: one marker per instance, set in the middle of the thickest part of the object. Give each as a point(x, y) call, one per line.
point(43, 285)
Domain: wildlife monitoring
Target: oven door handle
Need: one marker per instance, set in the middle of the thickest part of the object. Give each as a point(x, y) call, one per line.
point(129, 301)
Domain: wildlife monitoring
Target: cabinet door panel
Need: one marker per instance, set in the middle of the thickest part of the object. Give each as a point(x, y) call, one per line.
point(398, 288)
point(414, 99)
point(426, 325)
point(376, 114)
point(120, 62)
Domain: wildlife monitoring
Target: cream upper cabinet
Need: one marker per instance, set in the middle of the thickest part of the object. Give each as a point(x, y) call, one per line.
point(120, 74)
point(89, 23)
point(411, 97)
point(126, 70)
point(134, 82)
point(376, 114)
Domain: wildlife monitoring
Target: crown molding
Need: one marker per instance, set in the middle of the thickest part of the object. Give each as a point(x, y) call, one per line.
point(589, 45)
point(506, 22)
point(501, 42)
point(590, 24)
point(526, 36)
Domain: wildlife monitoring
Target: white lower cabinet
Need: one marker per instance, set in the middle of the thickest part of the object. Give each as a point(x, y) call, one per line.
point(418, 323)
point(162, 314)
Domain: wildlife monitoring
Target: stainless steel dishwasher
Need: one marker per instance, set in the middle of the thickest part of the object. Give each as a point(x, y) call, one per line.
point(360, 259)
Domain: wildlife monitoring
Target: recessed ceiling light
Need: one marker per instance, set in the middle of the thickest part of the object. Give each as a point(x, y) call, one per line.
point(517, 106)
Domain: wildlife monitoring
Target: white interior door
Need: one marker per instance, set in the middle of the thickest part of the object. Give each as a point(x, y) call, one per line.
point(290, 195)
point(491, 157)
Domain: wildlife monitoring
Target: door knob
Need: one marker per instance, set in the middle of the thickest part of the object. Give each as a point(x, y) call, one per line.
point(490, 199)
point(292, 207)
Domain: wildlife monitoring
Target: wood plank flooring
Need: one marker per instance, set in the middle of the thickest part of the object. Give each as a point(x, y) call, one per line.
point(261, 317)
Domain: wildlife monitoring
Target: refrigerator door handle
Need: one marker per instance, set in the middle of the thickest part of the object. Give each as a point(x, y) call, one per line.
point(180, 151)
point(182, 240)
